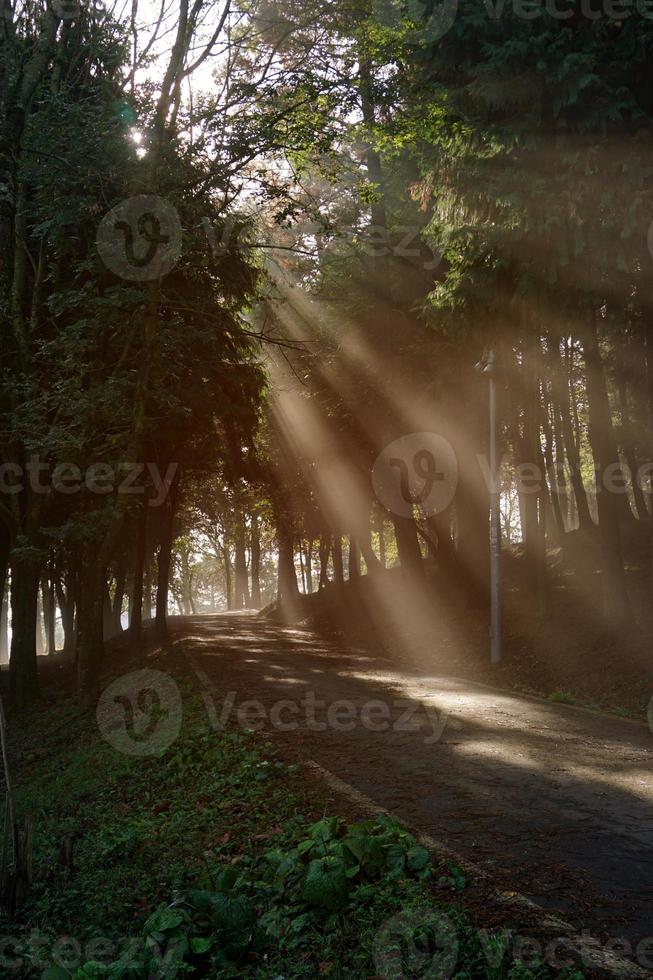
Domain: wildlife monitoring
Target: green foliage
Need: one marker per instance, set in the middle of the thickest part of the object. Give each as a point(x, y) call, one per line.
point(207, 862)
point(306, 898)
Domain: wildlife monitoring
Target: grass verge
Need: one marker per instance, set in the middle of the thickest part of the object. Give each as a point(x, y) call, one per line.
point(216, 859)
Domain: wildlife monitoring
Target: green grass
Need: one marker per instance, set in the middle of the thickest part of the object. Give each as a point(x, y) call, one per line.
point(622, 712)
point(562, 697)
point(565, 697)
point(146, 826)
point(217, 860)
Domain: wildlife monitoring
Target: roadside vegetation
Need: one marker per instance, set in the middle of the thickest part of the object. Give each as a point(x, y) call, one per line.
point(218, 859)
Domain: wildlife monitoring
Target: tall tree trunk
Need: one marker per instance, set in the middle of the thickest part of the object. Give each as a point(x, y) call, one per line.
point(551, 467)
point(338, 565)
point(366, 548)
point(4, 593)
point(255, 550)
point(164, 562)
point(649, 405)
point(615, 598)
point(228, 575)
point(302, 569)
point(186, 582)
point(573, 459)
point(559, 464)
point(381, 532)
point(241, 586)
point(439, 527)
point(176, 595)
point(429, 534)
point(408, 549)
point(472, 501)
point(66, 603)
point(309, 565)
point(23, 674)
point(40, 642)
point(530, 505)
point(325, 551)
point(4, 626)
point(353, 565)
point(136, 618)
point(119, 593)
point(108, 624)
point(287, 588)
point(572, 437)
point(49, 611)
point(90, 629)
point(566, 437)
point(380, 267)
point(147, 581)
point(628, 449)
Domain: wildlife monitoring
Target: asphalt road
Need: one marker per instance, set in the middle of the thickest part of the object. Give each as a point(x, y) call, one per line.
point(551, 800)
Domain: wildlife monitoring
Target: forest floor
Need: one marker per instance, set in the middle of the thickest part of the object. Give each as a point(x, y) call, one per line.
point(563, 652)
point(206, 850)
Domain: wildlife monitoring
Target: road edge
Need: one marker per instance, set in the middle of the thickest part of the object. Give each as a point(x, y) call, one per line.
point(588, 953)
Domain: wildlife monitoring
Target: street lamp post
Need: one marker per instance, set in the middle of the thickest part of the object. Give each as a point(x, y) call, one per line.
point(487, 367)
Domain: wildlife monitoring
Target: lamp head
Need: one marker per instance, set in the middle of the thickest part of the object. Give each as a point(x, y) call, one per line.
point(486, 364)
